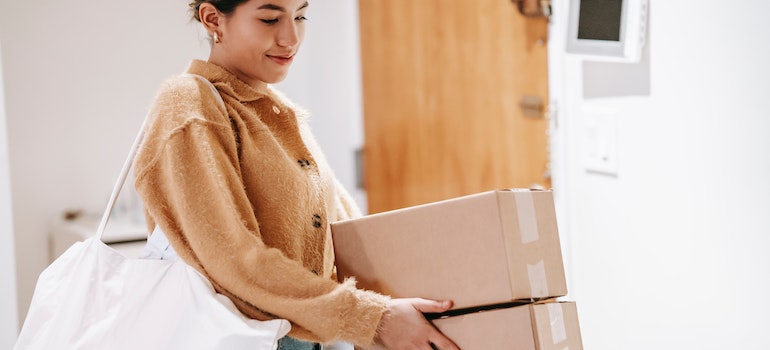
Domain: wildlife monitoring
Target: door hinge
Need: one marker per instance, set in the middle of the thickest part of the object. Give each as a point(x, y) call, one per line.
point(532, 106)
point(358, 159)
point(534, 8)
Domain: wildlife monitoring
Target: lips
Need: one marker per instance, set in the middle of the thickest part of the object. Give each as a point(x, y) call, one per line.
point(281, 59)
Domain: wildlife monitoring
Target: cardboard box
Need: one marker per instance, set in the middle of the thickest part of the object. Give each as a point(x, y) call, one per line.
point(481, 249)
point(546, 326)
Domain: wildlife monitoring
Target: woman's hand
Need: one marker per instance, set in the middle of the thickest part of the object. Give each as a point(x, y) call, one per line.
point(403, 326)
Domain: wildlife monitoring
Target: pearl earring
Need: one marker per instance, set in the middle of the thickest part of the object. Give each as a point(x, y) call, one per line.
point(216, 38)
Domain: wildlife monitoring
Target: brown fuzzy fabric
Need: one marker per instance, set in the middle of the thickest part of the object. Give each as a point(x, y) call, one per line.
point(246, 197)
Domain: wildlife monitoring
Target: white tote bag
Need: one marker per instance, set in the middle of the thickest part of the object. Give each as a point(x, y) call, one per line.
point(93, 297)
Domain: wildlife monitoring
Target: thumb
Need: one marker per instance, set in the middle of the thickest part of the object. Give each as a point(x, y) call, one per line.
point(425, 305)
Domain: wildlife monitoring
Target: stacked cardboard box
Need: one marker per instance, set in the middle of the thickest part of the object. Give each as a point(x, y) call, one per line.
point(487, 252)
point(534, 326)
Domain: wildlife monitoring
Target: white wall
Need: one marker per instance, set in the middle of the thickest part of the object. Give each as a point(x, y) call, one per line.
point(672, 252)
point(77, 88)
point(79, 85)
point(8, 318)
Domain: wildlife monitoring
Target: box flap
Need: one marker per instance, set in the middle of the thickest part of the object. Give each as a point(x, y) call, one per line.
point(532, 241)
point(556, 325)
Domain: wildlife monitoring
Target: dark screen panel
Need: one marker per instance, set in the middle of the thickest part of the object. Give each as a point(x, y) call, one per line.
point(600, 19)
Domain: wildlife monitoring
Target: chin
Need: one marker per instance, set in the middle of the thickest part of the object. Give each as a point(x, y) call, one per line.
point(276, 79)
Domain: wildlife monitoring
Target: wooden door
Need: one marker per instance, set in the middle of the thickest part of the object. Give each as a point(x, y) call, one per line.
point(443, 83)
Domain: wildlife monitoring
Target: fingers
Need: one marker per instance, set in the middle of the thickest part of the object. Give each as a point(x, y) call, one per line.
point(440, 342)
point(437, 340)
point(425, 305)
point(407, 329)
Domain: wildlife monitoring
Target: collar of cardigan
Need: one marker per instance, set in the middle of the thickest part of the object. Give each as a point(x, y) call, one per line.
point(225, 81)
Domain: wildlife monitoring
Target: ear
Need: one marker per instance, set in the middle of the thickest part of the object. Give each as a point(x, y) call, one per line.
point(210, 17)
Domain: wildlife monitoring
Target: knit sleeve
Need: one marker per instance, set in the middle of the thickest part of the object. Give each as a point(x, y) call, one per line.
point(188, 176)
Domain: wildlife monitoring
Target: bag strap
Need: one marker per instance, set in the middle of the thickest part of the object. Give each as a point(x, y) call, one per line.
point(130, 160)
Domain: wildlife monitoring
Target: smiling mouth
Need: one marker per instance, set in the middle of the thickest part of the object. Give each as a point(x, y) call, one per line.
point(282, 60)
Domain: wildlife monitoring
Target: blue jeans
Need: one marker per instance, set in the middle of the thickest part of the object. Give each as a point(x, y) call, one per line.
point(288, 343)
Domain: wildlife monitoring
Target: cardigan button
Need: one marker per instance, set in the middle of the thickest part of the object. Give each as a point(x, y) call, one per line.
point(304, 163)
point(315, 272)
point(317, 221)
point(276, 109)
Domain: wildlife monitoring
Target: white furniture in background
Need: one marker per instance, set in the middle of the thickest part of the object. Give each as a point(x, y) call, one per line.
point(128, 238)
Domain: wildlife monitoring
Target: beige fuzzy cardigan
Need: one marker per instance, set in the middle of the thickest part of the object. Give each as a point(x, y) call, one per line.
point(246, 197)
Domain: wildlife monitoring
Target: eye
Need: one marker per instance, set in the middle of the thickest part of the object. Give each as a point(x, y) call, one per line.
point(269, 21)
point(300, 19)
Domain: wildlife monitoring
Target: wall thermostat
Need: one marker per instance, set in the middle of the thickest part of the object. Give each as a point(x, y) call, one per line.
point(607, 30)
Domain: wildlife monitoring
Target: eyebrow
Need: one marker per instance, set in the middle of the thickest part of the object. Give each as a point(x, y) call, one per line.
point(279, 8)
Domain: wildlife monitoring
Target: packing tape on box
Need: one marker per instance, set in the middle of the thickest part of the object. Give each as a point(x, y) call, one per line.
point(538, 283)
point(525, 208)
point(556, 316)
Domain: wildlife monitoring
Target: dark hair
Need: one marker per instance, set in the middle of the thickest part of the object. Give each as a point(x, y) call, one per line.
point(225, 6)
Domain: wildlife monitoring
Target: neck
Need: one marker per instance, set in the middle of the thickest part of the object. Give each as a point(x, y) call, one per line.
point(257, 84)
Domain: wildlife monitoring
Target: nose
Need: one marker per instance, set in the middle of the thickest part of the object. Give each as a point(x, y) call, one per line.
point(288, 35)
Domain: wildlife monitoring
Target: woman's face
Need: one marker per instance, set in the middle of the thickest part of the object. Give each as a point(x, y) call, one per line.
point(259, 39)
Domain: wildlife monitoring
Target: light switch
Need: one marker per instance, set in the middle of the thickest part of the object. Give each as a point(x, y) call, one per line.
point(601, 140)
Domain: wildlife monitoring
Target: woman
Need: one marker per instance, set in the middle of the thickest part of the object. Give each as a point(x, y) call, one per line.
point(244, 195)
